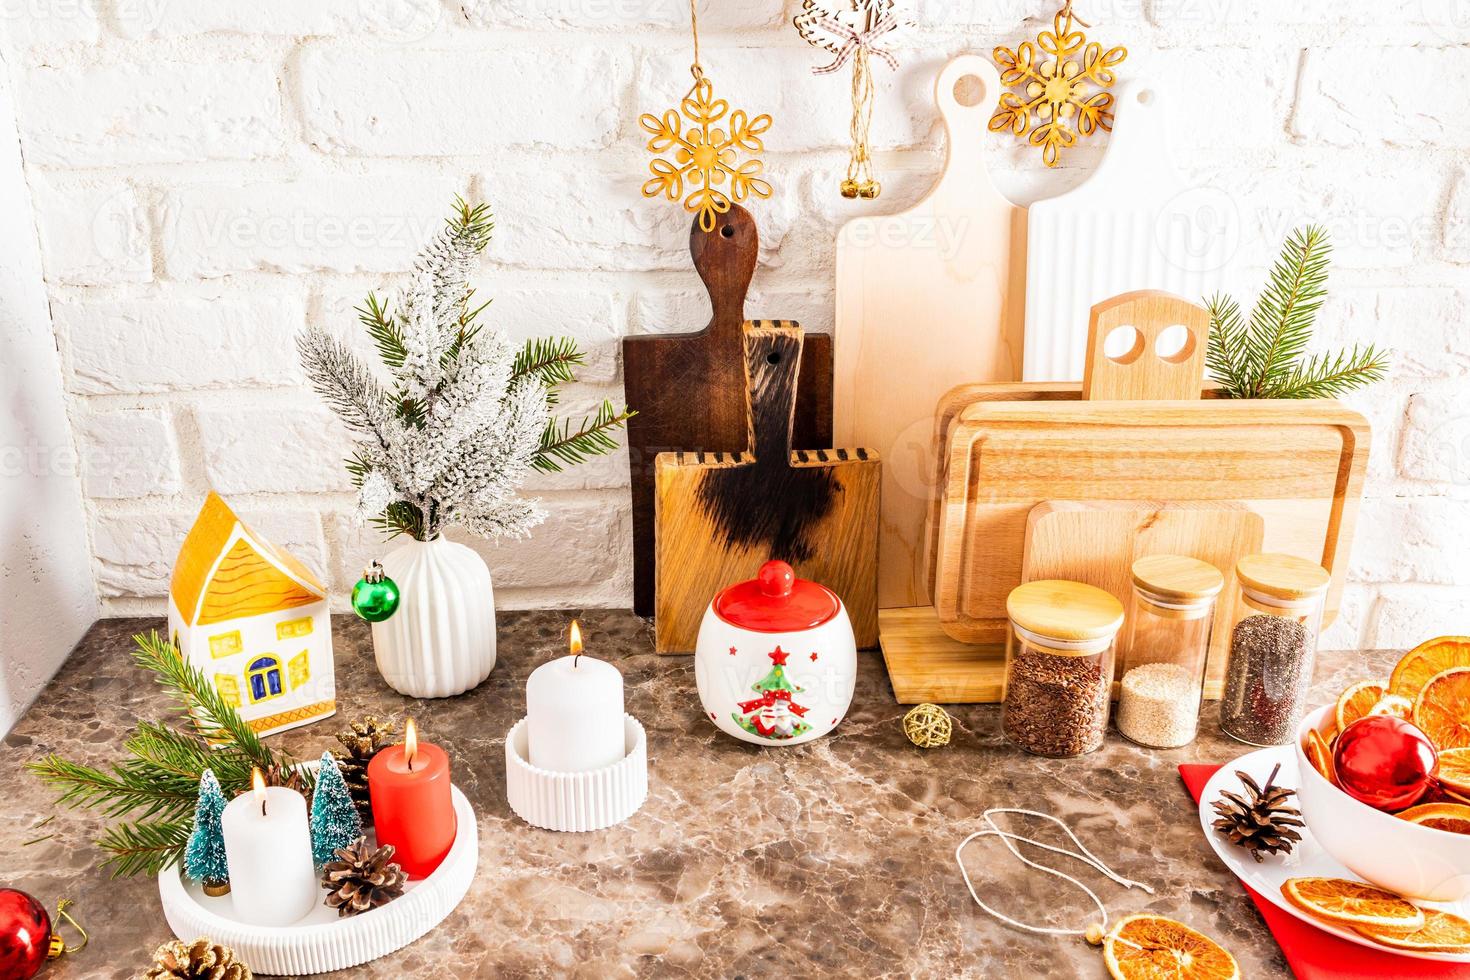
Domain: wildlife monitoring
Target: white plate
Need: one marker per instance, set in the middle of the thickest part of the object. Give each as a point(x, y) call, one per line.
point(1307, 859)
point(322, 942)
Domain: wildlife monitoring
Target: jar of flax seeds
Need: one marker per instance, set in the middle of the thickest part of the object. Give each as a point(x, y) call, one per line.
point(1165, 646)
point(1059, 666)
point(1272, 646)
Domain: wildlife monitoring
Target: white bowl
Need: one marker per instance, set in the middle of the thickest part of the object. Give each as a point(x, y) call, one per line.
point(1403, 857)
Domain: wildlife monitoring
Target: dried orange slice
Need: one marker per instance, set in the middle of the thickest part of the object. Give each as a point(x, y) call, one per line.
point(1151, 947)
point(1427, 659)
point(1454, 772)
point(1454, 817)
point(1357, 701)
point(1319, 755)
point(1393, 704)
point(1352, 903)
point(1442, 933)
point(1442, 709)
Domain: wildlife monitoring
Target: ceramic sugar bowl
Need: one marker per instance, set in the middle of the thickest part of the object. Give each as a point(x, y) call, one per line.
point(776, 661)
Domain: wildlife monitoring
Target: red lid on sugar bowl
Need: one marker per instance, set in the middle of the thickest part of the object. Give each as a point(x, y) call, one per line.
point(776, 601)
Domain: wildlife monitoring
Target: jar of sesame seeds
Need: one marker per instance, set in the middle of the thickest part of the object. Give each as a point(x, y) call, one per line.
point(1059, 666)
point(1165, 644)
point(1272, 647)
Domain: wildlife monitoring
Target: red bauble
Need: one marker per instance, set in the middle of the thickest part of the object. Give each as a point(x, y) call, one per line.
point(25, 935)
point(1384, 762)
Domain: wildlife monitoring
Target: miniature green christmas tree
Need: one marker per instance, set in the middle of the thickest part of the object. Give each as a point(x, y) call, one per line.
point(204, 857)
point(334, 819)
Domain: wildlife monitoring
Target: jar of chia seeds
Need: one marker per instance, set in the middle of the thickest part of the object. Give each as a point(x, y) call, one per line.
point(1165, 645)
point(1272, 646)
point(1059, 666)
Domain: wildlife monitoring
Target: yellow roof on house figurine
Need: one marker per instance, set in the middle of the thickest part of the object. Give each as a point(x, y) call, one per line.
point(226, 571)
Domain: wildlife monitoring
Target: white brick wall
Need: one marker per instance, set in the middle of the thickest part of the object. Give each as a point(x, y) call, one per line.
point(210, 176)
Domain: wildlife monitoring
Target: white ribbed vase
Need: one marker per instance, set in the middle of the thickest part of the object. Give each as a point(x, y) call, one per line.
point(441, 640)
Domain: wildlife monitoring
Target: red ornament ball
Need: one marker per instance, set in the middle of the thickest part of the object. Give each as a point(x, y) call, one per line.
point(25, 935)
point(1385, 762)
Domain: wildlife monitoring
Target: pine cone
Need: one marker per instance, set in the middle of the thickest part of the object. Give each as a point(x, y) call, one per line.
point(1260, 818)
point(361, 741)
point(283, 775)
point(362, 878)
point(199, 960)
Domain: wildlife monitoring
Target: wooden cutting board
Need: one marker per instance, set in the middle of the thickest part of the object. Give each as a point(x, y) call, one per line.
point(1299, 464)
point(1135, 223)
point(689, 388)
point(720, 516)
point(1097, 542)
point(927, 299)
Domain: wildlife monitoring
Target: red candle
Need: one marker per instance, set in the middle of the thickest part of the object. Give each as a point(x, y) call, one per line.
point(409, 786)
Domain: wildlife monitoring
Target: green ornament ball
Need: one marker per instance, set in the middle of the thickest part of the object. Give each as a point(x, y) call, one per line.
point(375, 598)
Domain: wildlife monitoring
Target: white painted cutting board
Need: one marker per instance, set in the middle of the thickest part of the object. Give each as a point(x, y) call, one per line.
point(927, 299)
point(1136, 223)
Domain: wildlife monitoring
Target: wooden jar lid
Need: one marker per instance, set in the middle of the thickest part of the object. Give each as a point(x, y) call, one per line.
point(1061, 610)
point(1177, 578)
point(1282, 576)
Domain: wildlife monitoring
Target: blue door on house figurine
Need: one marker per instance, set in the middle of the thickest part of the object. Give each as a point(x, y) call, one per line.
point(265, 679)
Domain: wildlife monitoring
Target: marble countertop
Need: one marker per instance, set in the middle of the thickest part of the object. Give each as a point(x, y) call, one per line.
point(833, 858)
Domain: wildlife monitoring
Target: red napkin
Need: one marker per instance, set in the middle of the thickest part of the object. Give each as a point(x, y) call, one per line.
point(1317, 955)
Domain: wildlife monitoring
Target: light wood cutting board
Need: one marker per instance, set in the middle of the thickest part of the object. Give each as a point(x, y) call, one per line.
point(720, 516)
point(1299, 464)
point(1135, 223)
point(927, 299)
point(1097, 542)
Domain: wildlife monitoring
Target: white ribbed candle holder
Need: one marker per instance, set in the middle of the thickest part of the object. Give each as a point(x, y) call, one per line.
point(577, 800)
point(323, 942)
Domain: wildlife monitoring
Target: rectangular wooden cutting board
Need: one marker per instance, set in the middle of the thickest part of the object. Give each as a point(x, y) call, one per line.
point(927, 299)
point(720, 516)
point(689, 388)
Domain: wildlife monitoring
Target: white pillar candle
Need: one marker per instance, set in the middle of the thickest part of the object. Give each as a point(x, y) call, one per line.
point(272, 879)
point(574, 713)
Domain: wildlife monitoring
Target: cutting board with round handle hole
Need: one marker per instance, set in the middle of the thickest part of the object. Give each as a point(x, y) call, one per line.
point(689, 388)
point(1135, 223)
point(927, 299)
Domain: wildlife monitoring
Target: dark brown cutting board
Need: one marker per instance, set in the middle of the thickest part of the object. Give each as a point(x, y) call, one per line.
point(689, 388)
point(722, 515)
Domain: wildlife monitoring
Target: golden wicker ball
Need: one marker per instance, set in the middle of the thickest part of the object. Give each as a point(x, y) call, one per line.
point(927, 726)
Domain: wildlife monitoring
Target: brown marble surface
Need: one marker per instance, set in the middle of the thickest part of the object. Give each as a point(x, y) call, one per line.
point(833, 858)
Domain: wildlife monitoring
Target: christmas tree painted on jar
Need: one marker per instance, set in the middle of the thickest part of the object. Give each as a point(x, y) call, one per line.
point(204, 857)
point(774, 715)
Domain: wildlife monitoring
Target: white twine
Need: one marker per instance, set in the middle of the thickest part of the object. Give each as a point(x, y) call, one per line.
point(1086, 857)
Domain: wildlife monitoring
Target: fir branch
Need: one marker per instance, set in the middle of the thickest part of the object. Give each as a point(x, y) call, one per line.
point(1329, 375)
point(562, 446)
point(145, 847)
point(344, 382)
point(549, 358)
point(1267, 357)
point(1281, 323)
point(116, 793)
point(1225, 354)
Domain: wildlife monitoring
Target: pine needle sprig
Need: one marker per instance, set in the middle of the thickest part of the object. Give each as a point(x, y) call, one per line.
point(144, 847)
point(383, 329)
point(562, 446)
point(1267, 356)
point(549, 358)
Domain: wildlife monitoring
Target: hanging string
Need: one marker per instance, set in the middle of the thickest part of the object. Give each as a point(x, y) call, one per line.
point(696, 69)
point(859, 164)
point(1067, 13)
point(1095, 932)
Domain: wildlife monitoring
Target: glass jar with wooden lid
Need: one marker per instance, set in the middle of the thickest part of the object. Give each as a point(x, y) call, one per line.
point(1059, 666)
point(1166, 643)
point(1272, 646)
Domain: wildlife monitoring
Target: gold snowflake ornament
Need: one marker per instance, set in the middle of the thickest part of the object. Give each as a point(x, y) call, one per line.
point(706, 156)
point(1054, 89)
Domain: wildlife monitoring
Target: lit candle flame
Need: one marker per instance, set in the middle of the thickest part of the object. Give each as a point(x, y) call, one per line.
point(576, 641)
point(257, 782)
point(410, 742)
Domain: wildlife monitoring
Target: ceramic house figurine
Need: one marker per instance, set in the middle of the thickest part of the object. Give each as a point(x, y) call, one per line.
point(776, 661)
point(255, 620)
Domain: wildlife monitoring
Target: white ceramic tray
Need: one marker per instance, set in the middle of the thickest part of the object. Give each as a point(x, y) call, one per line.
point(322, 942)
point(576, 801)
point(1307, 859)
